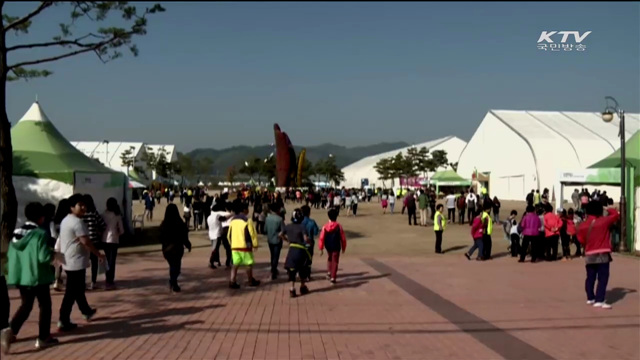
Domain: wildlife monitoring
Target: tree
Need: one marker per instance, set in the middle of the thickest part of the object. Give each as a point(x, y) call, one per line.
point(383, 168)
point(128, 158)
point(330, 171)
point(105, 42)
point(231, 174)
point(438, 160)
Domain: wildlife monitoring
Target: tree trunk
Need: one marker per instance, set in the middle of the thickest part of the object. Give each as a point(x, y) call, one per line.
point(7, 191)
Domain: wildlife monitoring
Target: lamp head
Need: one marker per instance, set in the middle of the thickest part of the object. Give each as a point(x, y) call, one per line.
point(607, 116)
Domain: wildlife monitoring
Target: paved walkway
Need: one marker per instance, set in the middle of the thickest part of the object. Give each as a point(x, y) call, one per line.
point(437, 307)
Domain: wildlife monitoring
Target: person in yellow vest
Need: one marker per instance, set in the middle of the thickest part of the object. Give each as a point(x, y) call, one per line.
point(487, 230)
point(536, 198)
point(439, 224)
point(244, 241)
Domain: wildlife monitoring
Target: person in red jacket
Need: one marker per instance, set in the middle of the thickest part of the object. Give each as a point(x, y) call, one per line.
point(552, 225)
point(332, 237)
point(593, 234)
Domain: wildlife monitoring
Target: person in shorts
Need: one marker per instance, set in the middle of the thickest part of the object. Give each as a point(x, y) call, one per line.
point(244, 241)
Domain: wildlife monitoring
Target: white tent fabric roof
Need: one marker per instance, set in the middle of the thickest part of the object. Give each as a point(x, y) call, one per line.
point(525, 149)
point(363, 169)
point(112, 150)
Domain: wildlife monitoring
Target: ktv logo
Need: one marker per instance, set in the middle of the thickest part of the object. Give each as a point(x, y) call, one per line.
point(545, 41)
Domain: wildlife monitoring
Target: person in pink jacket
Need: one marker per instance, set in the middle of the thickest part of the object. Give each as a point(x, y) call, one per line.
point(552, 225)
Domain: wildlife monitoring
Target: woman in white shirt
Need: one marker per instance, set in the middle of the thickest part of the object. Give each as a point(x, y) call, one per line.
point(392, 200)
point(111, 239)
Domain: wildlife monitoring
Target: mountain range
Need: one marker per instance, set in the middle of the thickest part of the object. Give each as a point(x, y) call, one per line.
point(237, 155)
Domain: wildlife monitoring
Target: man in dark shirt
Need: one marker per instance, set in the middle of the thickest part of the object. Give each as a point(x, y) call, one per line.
point(411, 208)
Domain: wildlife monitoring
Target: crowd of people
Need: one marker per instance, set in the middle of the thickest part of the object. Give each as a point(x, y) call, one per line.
point(73, 237)
point(52, 239)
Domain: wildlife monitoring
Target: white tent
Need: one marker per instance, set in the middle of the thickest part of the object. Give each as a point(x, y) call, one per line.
point(524, 150)
point(364, 168)
point(109, 153)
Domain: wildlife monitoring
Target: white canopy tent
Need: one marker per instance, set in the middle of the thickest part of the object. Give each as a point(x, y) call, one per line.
point(524, 150)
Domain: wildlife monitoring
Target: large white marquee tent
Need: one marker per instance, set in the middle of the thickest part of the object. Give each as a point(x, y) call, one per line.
point(524, 150)
point(364, 168)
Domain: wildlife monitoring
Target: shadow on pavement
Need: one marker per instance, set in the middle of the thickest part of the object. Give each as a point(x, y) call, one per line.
point(455, 248)
point(349, 282)
point(617, 294)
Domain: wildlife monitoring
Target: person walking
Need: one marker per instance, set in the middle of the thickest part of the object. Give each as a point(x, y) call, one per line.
point(274, 225)
point(594, 235)
point(392, 200)
point(30, 270)
point(472, 203)
point(174, 237)
point(332, 238)
point(76, 246)
point(487, 226)
point(61, 212)
point(111, 239)
point(410, 202)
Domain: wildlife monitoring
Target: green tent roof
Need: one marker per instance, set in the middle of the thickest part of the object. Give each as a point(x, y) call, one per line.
point(449, 178)
point(632, 147)
point(39, 150)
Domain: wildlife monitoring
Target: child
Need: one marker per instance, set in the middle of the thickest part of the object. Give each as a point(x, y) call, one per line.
point(439, 224)
point(243, 239)
point(298, 258)
point(476, 235)
point(573, 220)
point(30, 270)
point(332, 237)
point(514, 234)
point(311, 230)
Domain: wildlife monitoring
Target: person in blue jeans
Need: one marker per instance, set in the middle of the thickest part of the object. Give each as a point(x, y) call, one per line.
point(273, 226)
point(312, 230)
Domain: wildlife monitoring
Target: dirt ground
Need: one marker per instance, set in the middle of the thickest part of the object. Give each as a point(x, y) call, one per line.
point(372, 233)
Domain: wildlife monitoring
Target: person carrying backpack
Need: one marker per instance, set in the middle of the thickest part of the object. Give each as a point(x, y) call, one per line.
point(333, 239)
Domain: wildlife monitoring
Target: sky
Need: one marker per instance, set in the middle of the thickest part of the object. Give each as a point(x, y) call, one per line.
point(214, 75)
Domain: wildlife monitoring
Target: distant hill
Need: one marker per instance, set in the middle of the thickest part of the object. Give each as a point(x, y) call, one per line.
point(235, 156)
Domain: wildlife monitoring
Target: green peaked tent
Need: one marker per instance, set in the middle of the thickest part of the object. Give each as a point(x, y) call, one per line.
point(47, 168)
point(632, 147)
point(39, 150)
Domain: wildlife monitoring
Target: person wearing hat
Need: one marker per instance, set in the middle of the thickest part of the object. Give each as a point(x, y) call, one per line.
point(298, 257)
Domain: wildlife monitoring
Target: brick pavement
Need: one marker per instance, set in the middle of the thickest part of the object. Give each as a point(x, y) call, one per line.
point(409, 306)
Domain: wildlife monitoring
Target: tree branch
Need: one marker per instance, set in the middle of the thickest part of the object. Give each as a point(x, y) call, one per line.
point(75, 42)
point(27, 18)
point(54, 58)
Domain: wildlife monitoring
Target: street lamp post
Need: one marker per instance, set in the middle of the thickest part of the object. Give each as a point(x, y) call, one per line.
point(607, 116)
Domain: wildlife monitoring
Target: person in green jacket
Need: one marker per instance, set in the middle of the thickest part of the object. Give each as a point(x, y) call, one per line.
point(31, 272)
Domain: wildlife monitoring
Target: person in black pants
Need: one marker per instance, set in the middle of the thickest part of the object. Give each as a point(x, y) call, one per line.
point(411, 209)
point(74, 293)
point(439, 225)
point(174, 237)
point(487, 226)
point(29, 250)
